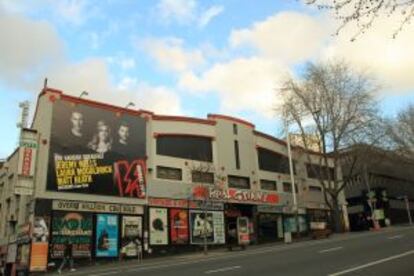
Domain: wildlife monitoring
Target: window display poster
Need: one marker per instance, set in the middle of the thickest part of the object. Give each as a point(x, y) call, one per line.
point(209, 224)
point(179, 226)
point(106, 235)
point(131, 241)
point(158, 226)
point(75, 227)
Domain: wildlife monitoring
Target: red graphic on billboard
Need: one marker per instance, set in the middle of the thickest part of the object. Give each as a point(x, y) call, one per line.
point(130, 178)
point(179, 226)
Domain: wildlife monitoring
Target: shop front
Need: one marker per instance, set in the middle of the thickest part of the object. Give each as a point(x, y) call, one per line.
point(177, 225)
point(98, 231)
point(243, 203)
point(270, 223)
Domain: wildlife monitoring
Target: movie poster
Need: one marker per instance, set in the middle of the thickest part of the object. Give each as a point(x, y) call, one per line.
point(40, 244)
point(179, 226)
point(106, 235)
point(96, 151)
point(158, 226)
point(74, 227)
point(209, 224)
point(131, 241)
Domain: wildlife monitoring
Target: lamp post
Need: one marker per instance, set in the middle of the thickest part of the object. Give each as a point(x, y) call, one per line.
point(292, 176)
point(407, 206)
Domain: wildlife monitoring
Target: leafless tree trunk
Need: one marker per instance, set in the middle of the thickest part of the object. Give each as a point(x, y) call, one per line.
point(335, 105)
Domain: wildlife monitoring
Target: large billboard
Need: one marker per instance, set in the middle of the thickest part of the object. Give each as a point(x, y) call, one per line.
point(209, 224)
point(74, 227)
point(96, 151)
point(158, 226)
point(106, 235)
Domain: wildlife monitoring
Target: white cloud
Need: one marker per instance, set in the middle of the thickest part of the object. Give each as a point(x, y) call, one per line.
point(209, 14)
point(27, 48)
point(186, 12)
point(171, 55)
point(391, 61)
point(242, 84)
point(93, 76)
point(182, 11)
point(32, 50)
point(286, 36)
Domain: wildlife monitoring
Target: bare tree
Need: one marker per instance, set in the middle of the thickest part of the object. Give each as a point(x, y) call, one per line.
point(401, 131)
point(364, 12)
point(336, 105)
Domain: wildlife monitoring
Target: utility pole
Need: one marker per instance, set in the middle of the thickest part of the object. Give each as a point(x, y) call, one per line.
point(407, 205)
point(292, 176)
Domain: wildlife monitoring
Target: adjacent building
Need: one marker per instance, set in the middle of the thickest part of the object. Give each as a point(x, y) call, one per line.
point(380, 185)
point(117, 181)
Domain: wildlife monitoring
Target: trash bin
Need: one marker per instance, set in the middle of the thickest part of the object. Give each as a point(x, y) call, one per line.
point(288, 237)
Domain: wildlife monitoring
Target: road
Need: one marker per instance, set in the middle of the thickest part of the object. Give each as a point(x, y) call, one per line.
point(387, 252)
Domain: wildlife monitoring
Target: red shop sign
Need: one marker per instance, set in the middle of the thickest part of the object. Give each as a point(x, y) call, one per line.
point(167, 202)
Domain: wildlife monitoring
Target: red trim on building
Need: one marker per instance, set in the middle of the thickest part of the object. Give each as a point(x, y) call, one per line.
point(229, 118)
point(183, 119)
point(156, 134)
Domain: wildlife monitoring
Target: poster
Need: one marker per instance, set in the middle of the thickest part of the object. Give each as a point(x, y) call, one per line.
point(158, 226)
point(179, 226)
point(131, 241)
point(209, 224)
point(73, 227)
point(106, 235)
point(40, 244)
point(96, 151)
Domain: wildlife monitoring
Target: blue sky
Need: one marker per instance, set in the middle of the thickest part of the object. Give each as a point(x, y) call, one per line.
point(184, 57)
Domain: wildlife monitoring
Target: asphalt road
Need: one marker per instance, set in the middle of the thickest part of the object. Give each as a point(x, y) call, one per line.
point(388, 252)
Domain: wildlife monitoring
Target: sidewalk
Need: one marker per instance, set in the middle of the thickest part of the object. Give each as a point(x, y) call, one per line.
point(111, 267)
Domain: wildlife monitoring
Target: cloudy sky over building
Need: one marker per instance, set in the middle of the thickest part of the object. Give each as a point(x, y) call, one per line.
point(185, 57)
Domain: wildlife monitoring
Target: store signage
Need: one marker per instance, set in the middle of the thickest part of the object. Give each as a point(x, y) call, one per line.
point(206, 204)
point(24, 186)
point(241, 195)
point(269, 209)
point(67, 205)
point(40, 244)
point(166, 202)
point(27, 154)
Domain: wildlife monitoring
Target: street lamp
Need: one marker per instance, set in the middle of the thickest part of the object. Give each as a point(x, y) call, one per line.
point(292, 176)
point(84, 93)
point(407, 206)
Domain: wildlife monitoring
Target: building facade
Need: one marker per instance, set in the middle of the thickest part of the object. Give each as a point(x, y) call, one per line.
point(379, 188)
point(117, 181)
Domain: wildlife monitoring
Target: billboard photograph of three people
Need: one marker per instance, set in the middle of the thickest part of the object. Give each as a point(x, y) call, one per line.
point(96, 151)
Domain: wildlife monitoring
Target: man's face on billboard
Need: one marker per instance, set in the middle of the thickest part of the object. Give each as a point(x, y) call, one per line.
point(77, 121)
point(123, 133)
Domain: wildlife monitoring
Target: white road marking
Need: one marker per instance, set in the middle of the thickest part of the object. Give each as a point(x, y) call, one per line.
point(395, 237)
point(331, 249)
point(223, 269)
point(372, 263)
